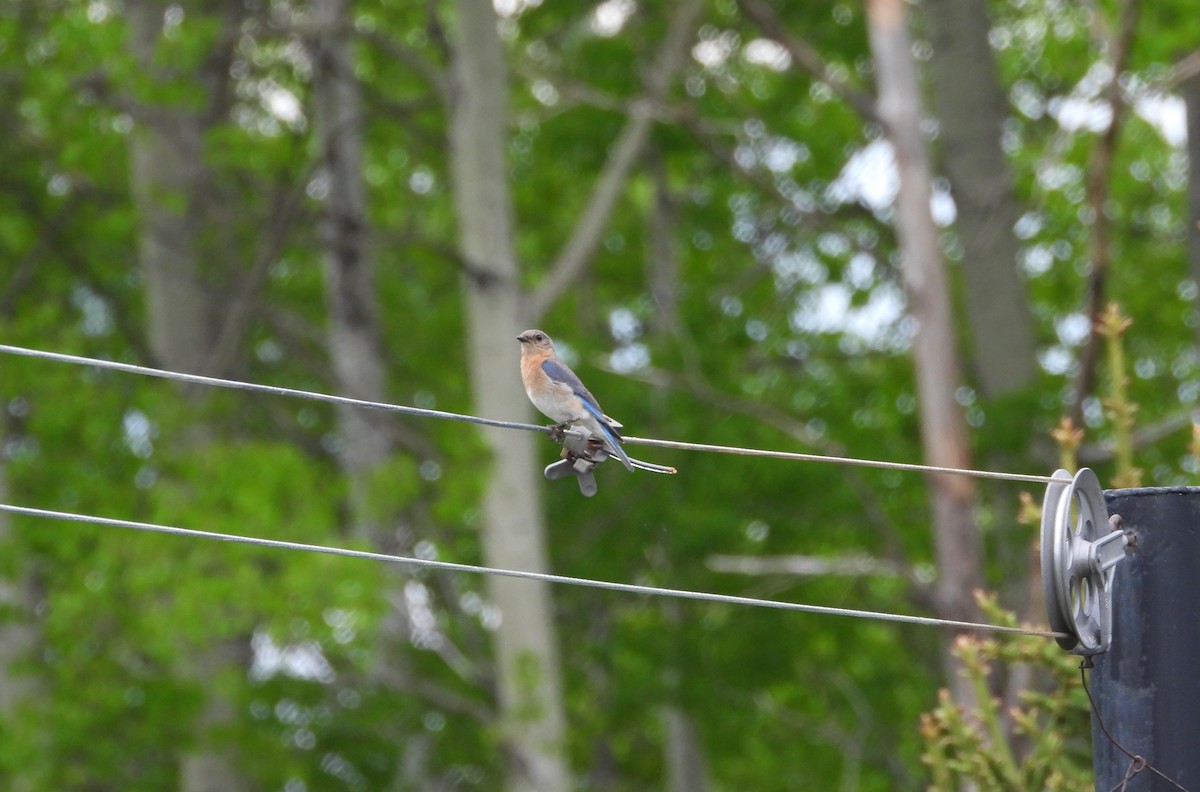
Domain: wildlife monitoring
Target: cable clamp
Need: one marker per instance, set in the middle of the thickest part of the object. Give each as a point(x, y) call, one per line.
point(582, 451)
point(580, 455)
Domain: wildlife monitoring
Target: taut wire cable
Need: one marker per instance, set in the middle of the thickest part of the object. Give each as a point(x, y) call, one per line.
point(276, 390)
point(450, 566)
point(836, 460)
point(1137, 763)
point(199, 379)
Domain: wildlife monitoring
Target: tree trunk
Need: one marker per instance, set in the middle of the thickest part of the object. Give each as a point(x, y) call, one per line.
point(355, 345)
point(166, 156)
point(972, 108)
point(213, 763)
point(1190, 89)
point(1098, 186)
point(662, 259)
point(529, 687)
point(355, 349)
point(169, 182)
point(685, 762)
point(19, 640)
point(943, 426)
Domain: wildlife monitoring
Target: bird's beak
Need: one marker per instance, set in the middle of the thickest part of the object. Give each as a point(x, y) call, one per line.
point(522, 339)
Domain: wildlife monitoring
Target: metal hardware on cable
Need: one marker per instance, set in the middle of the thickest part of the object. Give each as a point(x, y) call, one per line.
point(582, 452)
point(580, 457)
point(1081, 546)
point(630, 588)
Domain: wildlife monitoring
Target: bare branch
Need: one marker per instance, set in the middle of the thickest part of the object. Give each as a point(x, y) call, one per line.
point(24, 269)
point(287, 204)
point(708, 137)
point(860, 565)
point(573, 259)
point(1097, 453)
point(438, 696)
point(585, 237)
point(1098, 190)
point(1184, 69)
point(808, 59)
point(415, 61)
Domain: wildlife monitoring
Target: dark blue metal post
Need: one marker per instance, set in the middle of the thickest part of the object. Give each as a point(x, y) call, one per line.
point(1147, 685)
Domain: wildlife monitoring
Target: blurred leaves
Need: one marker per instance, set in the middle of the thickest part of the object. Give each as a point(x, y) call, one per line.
point(789, 332)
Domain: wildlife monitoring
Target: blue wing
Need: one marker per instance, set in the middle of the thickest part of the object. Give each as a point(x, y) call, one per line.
point(614, 439)
point(558, 371)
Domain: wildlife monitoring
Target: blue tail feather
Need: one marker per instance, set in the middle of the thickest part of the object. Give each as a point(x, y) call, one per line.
point(611, 437)
point(609, 434)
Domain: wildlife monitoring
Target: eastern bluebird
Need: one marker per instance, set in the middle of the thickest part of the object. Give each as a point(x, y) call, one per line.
point(557, 392)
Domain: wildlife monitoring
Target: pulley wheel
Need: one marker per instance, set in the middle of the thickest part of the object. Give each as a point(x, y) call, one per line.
point(1078, 594)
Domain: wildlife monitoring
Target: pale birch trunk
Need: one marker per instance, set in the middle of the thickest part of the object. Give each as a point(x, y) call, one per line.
point(355, 348)
point(513, 529)
point(19, 640)
point(687, 770)
point(1190, 89)
point(935, 357)
point(168, 183)
point(167, 173)
point(355, 344)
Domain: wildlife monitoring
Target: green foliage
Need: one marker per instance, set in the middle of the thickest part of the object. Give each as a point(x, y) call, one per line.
point(1121, 412)
point(743, 180)
point(1040, 741)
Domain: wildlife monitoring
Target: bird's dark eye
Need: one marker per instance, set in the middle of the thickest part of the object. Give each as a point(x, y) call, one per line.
point(540, 337)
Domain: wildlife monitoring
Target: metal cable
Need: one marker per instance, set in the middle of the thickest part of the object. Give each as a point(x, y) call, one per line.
point(1137, 763)
point(218, 382)
point(629, 588)
point(872, 463)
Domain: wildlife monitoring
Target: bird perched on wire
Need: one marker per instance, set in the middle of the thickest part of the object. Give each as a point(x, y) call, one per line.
point(561, 396)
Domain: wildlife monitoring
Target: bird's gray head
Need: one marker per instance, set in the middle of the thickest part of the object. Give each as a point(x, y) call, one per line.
point(535, 340)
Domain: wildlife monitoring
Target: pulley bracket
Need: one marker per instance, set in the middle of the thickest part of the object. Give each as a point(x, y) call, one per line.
point(1081, 546)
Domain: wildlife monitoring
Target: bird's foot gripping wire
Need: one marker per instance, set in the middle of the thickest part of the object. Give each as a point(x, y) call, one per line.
point(582, 451)
point(558, 432)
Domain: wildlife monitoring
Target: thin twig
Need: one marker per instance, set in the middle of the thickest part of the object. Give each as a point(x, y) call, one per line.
point(1098, 190)
point(585, 237)
point(808, 59)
